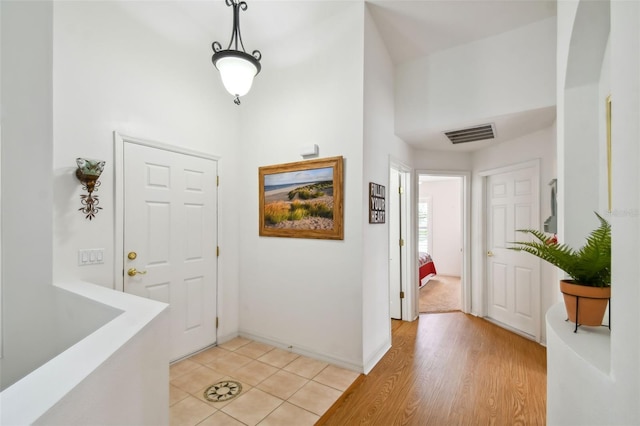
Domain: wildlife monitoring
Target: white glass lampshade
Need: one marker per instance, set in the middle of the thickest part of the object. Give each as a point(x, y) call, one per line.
point(237, 74)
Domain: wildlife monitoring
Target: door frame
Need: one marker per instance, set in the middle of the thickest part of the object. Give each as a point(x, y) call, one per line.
point(396, 275)
point(484, 217)
point(118, 197)
point(408, 312)
point(465, 279)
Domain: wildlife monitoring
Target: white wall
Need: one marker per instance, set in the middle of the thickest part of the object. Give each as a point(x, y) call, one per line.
point(502, 74)
point(537, 145)
point(380, 145)
point(138, 68)
point(583, 98)
point(625, 220)
point(441, 160)
point(612, 398)
point(446, 196)
point(26, 189)
point(581, 173)
point(604, 90)
point(307, 293)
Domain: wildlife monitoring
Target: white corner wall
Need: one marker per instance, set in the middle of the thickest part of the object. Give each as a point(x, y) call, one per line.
point(27, 92)
point(609, 398)
point(625, 219)
point(513, 70)
point(381, 146)
point(580, 188)
point(584, 75)
point(306, 293)
point(138, 68)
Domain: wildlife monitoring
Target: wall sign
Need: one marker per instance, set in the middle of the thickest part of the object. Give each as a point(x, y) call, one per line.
point(377, 204)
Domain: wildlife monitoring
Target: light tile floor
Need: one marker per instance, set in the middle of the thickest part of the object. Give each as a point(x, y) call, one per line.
point(279, 388)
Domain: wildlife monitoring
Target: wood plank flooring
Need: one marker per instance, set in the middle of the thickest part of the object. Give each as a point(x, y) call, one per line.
point(449, 369)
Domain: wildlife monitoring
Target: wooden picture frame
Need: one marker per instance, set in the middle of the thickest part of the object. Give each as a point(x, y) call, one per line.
point(609, 181)
point(302, 199)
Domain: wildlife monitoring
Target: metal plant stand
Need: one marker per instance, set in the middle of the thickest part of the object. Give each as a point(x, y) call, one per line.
point(578, 307)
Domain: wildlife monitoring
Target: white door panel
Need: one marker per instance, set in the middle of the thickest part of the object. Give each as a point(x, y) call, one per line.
point(513, 278)
point(499, 285)
point(170, 224)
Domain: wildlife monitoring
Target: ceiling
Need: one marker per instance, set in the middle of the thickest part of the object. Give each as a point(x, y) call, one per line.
point(410, 29)
point(413, 28)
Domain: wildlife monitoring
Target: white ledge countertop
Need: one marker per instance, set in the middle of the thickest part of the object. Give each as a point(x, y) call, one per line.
point(592, 344)
point(71, 367)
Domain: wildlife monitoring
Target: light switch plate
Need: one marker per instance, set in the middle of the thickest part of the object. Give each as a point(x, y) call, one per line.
point(90, 256)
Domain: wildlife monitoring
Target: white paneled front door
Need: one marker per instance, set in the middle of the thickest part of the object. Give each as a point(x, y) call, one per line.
point(513, 278)
point(170, 239)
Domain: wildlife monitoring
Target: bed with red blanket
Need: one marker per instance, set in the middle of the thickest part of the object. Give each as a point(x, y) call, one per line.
point(426, 267)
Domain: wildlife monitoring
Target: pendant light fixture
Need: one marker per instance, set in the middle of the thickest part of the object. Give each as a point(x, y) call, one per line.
point(237, 67)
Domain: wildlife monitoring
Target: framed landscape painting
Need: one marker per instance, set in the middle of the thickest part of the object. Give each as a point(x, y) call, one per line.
point(302, 199)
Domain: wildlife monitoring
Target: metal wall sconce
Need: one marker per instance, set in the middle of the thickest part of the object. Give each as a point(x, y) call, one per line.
point(237, 67)
point(88, 172)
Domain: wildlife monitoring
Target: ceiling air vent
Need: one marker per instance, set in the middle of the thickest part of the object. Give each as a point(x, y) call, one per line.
point(471, 134)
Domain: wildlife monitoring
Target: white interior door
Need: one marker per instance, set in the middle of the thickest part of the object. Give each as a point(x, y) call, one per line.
point(394, 246)
point(170, 239)
point(513, 278)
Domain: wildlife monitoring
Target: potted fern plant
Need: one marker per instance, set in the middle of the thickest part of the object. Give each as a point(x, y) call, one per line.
point(587, 293)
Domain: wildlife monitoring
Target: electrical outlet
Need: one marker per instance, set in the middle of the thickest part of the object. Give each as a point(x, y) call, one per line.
point(90, 256)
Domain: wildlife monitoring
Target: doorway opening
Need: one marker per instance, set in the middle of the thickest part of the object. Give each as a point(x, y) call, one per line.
point(442, 242)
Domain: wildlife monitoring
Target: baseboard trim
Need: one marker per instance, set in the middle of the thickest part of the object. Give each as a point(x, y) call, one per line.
point(338, 362)
point(376, 357)
point(511, 329)
point(226, 338)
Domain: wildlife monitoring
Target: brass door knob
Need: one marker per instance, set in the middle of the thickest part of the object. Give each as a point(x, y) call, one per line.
point(490, 253)
point(133, 272)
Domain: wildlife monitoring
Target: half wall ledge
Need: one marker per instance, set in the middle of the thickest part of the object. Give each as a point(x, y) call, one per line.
point(578, 371)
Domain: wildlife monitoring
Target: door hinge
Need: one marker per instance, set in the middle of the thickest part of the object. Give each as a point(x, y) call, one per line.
point(218, 251)
point(217, 180)
point(217, 322)
point(401, 242)
point(402, 295)
point(400, 190)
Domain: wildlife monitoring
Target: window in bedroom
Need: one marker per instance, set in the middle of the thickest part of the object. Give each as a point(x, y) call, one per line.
point(424, 224)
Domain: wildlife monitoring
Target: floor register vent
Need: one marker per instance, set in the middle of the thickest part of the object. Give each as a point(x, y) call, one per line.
point(471, 134)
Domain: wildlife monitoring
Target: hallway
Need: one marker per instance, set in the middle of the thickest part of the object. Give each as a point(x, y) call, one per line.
point(449, 368)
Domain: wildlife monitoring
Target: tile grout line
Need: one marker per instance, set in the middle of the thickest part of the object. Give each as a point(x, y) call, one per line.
point(203, 361)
